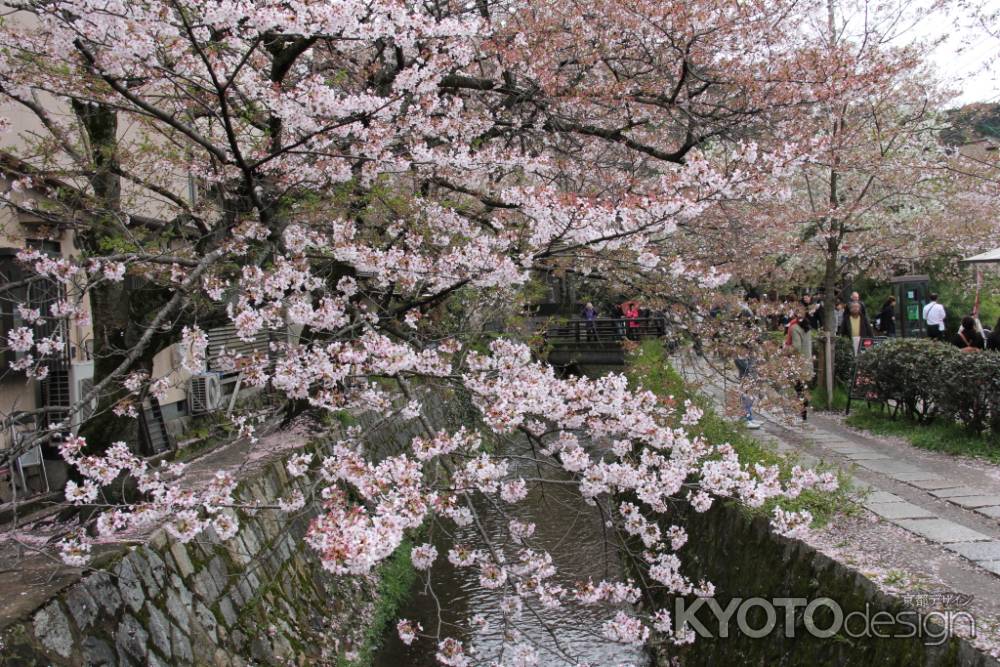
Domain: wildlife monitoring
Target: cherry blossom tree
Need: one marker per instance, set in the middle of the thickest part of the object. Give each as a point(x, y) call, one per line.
point(881, 192)
point(373, 177)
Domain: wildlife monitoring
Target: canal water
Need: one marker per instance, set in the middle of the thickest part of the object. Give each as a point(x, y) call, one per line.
point(572, 532)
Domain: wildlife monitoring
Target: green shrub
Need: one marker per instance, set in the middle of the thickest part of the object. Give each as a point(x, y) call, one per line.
point(843, 359)
point(968, 389)
point(906, 371)
point(924, 378)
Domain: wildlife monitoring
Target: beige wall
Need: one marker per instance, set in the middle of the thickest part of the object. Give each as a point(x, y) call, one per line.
point(166, 364)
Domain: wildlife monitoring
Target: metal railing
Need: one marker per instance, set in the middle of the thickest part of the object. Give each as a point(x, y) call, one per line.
point(606, 329)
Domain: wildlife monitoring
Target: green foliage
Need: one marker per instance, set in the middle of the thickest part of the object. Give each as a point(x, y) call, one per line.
point(396, 577)
point(967, 388)
point(843, 359)
point(924, 379)
point(938, 436)
point(905, 371)
point(839, 402)
point(650, 368)
point(959, 298)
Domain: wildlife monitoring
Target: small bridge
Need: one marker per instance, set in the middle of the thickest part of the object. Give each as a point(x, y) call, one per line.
point(598, 342)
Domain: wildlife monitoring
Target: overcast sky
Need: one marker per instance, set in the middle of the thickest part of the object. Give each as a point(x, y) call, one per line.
point(968, 57)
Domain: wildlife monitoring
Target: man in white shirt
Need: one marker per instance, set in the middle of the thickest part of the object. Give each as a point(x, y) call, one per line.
point(934, 315)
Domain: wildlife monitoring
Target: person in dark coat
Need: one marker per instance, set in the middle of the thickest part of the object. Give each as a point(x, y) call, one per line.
point(887, 317)
point(855, 325)
point(812, 311)
point(968, 338)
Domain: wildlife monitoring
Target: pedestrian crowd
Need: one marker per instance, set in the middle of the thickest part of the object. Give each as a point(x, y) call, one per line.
point(799, 319)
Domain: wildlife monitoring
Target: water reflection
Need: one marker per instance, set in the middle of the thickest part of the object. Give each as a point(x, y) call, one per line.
point(573, 534)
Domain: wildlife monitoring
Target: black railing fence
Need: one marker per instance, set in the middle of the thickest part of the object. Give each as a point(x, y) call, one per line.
point(606, 329)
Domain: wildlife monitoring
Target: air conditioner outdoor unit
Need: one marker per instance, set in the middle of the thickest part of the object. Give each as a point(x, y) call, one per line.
point(204, 393)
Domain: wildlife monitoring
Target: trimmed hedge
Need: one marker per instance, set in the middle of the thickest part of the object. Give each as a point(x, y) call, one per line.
point(925, 378)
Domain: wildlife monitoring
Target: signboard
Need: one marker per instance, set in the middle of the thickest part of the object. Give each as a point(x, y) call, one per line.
point(913, 312)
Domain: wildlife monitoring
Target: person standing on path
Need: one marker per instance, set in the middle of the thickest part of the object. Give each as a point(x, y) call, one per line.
point(856, 298)
point(934, 314)
point(799, 339)
point(887, 317)
point(856, 326)
point(744, 365)
point(632, 317)
point(590, 320)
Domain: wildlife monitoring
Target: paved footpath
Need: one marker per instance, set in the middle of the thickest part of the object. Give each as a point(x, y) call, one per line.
point(951, 503)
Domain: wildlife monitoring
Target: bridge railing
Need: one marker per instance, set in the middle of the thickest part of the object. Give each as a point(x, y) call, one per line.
point(606, 329)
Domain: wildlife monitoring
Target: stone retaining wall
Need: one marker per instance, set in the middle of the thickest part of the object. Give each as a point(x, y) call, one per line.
point(260, 596)
point(744, 558)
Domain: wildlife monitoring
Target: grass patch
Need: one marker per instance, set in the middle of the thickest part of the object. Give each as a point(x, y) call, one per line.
point(650, 368)
point(396, 578)
point(937, 436)
point(818, 398)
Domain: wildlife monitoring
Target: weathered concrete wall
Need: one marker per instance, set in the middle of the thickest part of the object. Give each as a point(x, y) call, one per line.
point(260, 597)
point(744, 558)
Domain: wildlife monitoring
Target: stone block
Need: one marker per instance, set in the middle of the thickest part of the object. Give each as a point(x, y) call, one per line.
point(205, 586)
point(990, 565)
point(941, 530)
point(153, 660)
point(992, 512)
point(866, 455)
point(52, 629)
point(97, 653)
point(159, 541)
point(957, 491)
point(935, 484)
point(83, 608)
point(897, 510)
point(882, 497)
point(889, 467)
point(131, 639)
point(221, 659)
point(206, 619)
point(220, 573)
point(918, 476)
point(970, 502)
point(159, 630)
point(251, 539)
point(179, 600)
point(977, 550)
point(129, 585)
point(102, 590)
point(228, 611)
point(157, 567)
point(182, 559)
point(145, 572)
point(181, 646)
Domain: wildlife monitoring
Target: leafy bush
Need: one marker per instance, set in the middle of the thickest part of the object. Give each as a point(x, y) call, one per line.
point(843, 359)
point(968, 389)
point(924, 378)
point(906, 371)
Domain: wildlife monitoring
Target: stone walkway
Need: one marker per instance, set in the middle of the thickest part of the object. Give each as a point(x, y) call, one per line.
point(949, 502)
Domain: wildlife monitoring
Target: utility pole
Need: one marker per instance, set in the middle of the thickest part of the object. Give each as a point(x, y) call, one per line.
point(830, 305)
